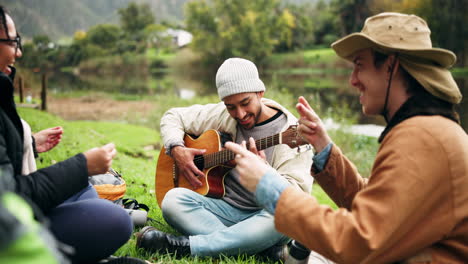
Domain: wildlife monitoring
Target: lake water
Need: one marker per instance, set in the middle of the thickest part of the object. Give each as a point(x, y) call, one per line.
point(329, 89)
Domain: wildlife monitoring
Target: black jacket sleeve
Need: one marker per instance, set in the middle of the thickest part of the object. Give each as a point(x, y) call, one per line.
point(50, 186)
point(47, 187)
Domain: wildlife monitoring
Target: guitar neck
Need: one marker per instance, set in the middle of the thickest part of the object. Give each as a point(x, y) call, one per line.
point(224, 156)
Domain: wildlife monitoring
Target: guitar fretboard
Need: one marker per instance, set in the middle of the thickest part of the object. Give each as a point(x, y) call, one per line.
point(224, 156)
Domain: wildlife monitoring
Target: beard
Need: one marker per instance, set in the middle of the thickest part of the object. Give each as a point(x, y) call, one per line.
point(256, 117)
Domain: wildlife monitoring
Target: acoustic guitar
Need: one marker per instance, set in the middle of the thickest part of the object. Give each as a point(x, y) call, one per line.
point(213, 163)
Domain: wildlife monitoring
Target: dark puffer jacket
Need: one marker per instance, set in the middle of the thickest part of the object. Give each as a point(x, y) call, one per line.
point(47, 187)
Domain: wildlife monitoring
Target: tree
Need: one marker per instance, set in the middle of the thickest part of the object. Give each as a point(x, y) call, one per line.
point(302, 31)
point(352, 14)
point(402, 6)
point(286, 25)
point(314, 24)
point(447, 20)
point(104, 36)
point(41, 42)
point(243, 28)
point(326, 24)
point(158, 38)
point(135, 18)
point(37, 53)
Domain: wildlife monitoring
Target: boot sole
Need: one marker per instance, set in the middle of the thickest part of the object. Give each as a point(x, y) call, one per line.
point(127, 260)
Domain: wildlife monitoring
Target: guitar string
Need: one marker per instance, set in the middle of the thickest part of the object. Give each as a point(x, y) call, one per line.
point(227, 155)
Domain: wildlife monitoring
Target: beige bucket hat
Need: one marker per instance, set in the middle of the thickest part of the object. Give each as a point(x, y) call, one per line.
point(409, 36)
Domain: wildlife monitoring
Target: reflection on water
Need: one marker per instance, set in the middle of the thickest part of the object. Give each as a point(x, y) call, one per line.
point(331, 88)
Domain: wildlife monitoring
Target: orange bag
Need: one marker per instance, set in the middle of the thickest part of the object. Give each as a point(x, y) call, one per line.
point(110, 185)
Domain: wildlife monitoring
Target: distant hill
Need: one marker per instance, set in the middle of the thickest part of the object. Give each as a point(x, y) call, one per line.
point(62, 18)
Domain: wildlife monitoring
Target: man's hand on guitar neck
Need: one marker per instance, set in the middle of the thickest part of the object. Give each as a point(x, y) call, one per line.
point(253, 149)
point(183, 158)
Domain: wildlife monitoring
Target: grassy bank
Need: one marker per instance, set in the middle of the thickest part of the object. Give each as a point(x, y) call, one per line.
point(138, 148)
point(138, 142)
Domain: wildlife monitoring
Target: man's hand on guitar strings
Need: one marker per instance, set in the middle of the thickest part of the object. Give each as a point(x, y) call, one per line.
point(250, 166)
point(253, 149)
point(184, 159)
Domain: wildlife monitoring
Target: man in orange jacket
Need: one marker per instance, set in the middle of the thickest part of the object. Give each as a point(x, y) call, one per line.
point(414, 206)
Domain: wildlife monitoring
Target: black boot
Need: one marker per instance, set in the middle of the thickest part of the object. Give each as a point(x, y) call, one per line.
point(276, 253)
point(153, 240)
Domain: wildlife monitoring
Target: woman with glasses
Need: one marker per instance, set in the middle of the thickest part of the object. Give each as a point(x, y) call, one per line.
point(10, 44)
point(14, 42)
point(89, 229)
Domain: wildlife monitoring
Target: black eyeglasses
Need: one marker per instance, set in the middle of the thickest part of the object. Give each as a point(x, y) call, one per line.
point(16, 42)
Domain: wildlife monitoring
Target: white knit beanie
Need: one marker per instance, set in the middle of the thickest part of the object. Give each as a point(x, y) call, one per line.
point(237, 76)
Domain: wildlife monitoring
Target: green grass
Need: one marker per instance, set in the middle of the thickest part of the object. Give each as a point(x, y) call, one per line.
point(154, 54)
point(322, 197)
point(136, 161)
point(361, 150)
point(303, 59)
point(138, 148)
point(325, 55)
point(460, 72)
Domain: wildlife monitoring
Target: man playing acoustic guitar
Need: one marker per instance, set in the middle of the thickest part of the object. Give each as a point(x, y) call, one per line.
point(234, 223)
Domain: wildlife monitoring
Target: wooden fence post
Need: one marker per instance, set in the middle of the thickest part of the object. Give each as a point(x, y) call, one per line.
point(21, 89)
point(44, 92)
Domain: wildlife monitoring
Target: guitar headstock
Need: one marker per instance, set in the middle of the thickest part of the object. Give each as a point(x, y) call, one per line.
point(292, 138)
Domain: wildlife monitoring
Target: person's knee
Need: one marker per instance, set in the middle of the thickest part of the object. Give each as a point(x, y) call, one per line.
point(174, 201)
point(104, 227)
point(124, 221)
point(117, 219)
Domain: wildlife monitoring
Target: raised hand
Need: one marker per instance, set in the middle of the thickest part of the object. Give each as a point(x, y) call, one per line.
point(311, 127)
point(99, 160)
point(47, 139)
point(250, 166)
point(183, 158)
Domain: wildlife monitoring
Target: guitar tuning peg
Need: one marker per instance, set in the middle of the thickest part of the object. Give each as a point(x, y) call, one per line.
point(306, 147)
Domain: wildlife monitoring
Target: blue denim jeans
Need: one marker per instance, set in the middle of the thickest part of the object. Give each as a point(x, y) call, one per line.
point(214, 227)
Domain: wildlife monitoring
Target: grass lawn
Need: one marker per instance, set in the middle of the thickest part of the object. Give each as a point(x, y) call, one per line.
point(138, 146)
point(138, 149)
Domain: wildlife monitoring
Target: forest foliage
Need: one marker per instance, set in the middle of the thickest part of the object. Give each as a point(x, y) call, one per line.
point(251, 29)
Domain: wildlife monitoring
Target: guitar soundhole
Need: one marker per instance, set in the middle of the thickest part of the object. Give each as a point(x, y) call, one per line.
point(199, 162)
